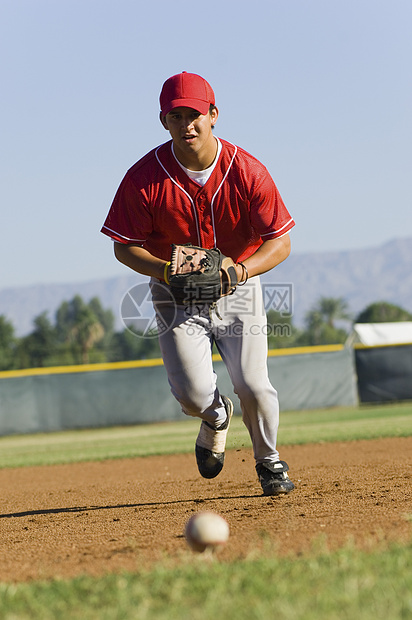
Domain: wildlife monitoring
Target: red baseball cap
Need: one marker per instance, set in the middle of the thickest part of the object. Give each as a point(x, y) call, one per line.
point(187, 90)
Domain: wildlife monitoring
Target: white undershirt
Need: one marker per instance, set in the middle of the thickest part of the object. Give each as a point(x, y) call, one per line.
point(200, 176)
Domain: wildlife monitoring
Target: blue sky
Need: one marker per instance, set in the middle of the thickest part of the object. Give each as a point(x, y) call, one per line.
point(318, 90)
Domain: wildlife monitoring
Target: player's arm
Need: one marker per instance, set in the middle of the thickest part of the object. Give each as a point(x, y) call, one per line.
point(271, 253)
point(140, 260)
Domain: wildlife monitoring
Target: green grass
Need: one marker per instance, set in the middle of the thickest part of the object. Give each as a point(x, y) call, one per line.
point(343, 585)
point(341, 424)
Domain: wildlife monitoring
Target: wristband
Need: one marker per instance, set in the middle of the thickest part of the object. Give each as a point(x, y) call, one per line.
point(165, 278)
point(245, 271)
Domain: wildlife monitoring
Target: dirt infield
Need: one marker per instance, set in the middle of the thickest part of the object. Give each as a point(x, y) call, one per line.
point(93, 518)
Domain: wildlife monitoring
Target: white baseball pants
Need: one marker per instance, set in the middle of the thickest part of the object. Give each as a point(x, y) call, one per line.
point(186, 336)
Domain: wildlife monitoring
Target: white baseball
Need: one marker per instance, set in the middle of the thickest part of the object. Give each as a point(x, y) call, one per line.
point(206, 530)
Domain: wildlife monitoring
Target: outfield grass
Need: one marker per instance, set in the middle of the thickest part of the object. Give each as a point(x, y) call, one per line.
point(343, 585)
point(341, 424)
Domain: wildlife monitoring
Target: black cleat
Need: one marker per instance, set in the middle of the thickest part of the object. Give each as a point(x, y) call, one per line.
point(274, 478)
point(211, 443)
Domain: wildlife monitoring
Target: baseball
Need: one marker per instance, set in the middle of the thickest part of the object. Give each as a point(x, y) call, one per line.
point(206, 530)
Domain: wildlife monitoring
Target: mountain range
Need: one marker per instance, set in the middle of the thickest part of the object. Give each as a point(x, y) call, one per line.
point(361, 277)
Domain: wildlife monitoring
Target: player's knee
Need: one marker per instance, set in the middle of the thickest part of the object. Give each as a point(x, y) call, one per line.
point(195, 402)
point(253, 395)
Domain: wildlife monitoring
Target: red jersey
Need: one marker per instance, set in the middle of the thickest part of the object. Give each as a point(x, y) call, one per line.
point(238, 208)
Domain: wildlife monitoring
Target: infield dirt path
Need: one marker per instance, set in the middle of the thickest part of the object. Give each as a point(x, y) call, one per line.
point(94, 518)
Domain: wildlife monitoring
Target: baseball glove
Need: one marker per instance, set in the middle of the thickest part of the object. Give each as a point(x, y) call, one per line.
point(198, 275)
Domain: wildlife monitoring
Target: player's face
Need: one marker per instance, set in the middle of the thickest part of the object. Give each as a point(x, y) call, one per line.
point(191, 132)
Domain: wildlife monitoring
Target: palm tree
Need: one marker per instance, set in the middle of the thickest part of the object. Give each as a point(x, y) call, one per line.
point(320, 322)
point(332, 309)
point(86, 332)
point(314, 324)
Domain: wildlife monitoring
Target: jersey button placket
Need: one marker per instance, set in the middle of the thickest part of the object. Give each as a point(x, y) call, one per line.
point(204, 211)
point(200, 201)
point(200, 204)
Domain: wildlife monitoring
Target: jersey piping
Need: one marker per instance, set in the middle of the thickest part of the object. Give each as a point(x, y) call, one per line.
point(184, 191)
point(190, 198)
point(216, 193)
point(280, 229)
point(115, 234)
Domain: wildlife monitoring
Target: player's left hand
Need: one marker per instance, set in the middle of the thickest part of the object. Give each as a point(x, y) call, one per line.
point(199, 275)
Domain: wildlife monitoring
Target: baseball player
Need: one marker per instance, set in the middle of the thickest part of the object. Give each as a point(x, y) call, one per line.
point(201, 190)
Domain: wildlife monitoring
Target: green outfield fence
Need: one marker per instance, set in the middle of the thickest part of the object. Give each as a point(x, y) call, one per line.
point(137, 392)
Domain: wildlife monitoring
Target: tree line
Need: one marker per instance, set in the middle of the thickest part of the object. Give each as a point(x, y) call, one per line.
point(329, 322)
point(83, 332)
